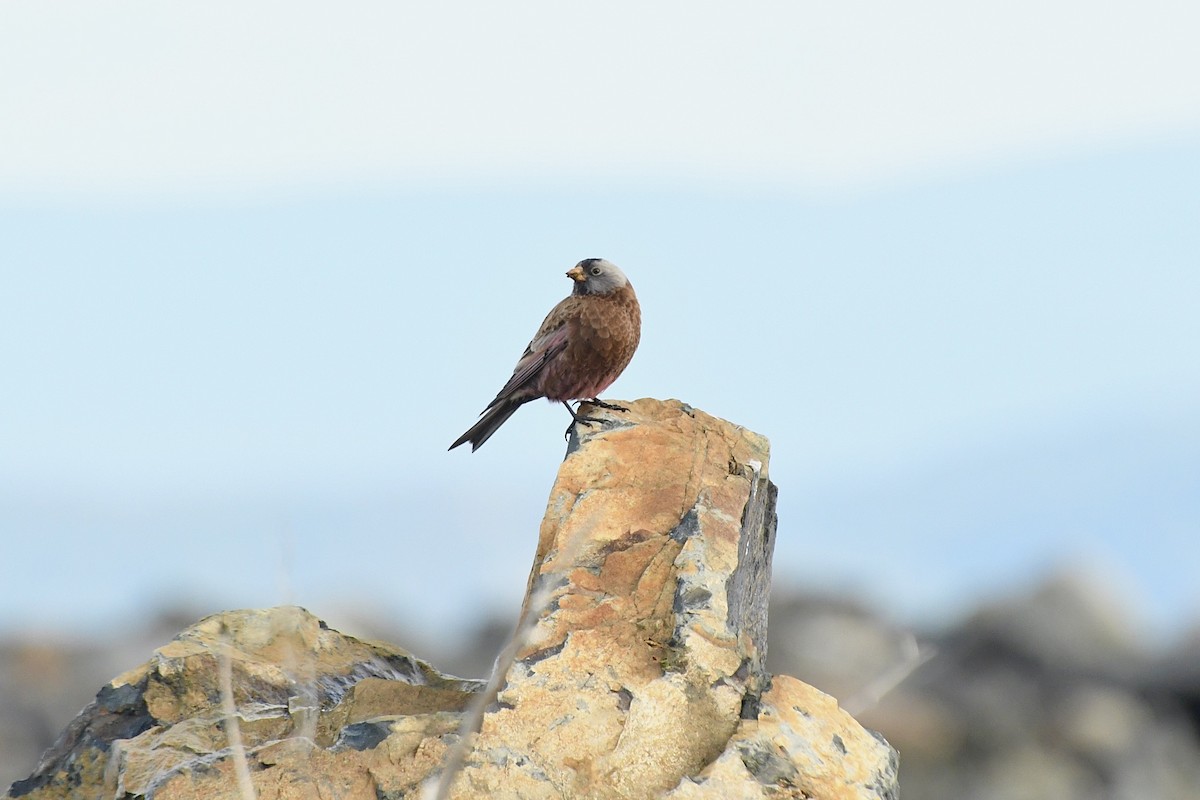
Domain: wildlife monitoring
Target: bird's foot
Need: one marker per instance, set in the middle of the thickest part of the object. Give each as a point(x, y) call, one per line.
point(598, 403)
point(586, 421)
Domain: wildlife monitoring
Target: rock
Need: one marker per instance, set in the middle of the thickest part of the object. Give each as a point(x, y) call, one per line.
point(1178, 673)
point(840, 647)
point(1045, 694)
point(158, 726)
point(638, 670)
point(1075, 620)
point(45, 679)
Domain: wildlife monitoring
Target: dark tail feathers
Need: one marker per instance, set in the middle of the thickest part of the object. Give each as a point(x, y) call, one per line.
point(488, 424)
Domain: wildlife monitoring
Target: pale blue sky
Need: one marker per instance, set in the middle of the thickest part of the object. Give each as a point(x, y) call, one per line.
point(255, 285)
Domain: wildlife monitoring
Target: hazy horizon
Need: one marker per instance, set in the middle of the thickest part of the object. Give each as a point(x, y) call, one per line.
point(263, 267)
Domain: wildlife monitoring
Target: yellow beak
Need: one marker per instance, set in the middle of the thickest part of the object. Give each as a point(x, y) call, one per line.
point(576, 274)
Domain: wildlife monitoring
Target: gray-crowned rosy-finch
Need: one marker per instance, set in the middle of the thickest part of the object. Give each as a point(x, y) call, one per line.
point(584, 343)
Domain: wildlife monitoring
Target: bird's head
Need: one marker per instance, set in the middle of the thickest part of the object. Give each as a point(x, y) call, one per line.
point(596, 276)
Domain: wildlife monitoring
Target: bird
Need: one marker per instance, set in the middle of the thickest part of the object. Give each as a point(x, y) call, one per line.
point(582, 346)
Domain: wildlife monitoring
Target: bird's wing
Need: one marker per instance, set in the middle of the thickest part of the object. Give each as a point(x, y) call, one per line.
point(550, 340)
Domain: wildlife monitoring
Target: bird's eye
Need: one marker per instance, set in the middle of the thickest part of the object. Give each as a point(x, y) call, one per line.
point(595, 270)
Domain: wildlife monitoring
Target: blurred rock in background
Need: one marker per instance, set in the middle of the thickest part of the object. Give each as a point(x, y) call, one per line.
point(1049, 695)
point(1052, 694)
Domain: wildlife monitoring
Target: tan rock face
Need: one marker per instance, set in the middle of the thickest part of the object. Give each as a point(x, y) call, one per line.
point(638, 669)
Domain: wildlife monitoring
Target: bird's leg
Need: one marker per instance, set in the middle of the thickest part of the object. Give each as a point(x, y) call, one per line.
point(581, 420)
point(576, 418)
point(596, 401)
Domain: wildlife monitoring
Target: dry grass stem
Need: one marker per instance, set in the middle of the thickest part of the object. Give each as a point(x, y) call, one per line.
point(912, 656)
point(438, 788)
point(229, 718)
point(473, 717)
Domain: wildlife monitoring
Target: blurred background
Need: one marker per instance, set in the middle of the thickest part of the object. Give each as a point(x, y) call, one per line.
point(262, 264)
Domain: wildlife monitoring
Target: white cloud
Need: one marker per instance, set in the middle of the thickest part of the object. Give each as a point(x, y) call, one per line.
point(161, 96)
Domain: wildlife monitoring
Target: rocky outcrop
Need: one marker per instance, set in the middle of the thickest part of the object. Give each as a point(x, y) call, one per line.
point(637, 671)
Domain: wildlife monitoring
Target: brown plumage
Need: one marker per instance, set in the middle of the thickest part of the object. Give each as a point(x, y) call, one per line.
point(584, 343)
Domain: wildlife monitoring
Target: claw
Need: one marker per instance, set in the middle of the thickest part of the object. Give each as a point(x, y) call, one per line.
point(586, 421)
point(596, 401)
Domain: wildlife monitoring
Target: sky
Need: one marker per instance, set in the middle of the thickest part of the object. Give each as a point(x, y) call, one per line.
point(264, 264)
